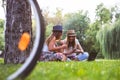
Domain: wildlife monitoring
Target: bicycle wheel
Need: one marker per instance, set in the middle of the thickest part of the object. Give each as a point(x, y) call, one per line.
point(31, 61)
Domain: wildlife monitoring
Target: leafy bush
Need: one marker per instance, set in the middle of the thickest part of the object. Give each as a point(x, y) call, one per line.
point(1, 34)
point(109, 39)
point(78, 21)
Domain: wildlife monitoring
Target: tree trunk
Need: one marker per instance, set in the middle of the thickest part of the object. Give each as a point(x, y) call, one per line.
point(18, 21)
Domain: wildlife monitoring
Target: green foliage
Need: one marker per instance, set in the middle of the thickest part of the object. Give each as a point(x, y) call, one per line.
point(1, 23)
point(78, 21)
point(116, 11)
point(48, 29)
point(1, 34)
point(33, 28)
point(55, 19)
point(109, 38)
point(103, 14)
point(51, 21)
point(58, 16)
point(92, 46)
point(104, 17)
point(117, 16)
point(100, 37)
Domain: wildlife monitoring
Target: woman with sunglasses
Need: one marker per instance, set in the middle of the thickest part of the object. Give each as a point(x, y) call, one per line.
point(74, 50)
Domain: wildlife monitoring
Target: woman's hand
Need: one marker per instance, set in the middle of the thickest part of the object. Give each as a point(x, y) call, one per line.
point(74, 50)
point(64, 46)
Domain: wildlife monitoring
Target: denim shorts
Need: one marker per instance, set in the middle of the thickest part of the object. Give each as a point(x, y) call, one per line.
point(79, 57)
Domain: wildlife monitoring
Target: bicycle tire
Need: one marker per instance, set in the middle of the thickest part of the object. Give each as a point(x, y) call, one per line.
point(31, 61)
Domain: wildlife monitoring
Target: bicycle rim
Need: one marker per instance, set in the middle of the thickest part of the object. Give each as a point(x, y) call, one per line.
point(31, 61)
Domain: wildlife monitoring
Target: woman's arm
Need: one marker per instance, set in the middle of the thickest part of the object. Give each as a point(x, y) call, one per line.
point(52, 46)
point(79, 48)
point(69, 52)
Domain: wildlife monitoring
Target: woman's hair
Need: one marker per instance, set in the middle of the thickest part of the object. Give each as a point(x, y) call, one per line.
point(55, 34)
point(70, 44)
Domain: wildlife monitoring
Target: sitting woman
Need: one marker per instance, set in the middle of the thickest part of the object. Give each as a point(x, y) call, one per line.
point(52, 52)
point(74, 51)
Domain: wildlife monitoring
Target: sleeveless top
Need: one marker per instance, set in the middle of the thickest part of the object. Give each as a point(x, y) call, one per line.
point(45, 48)
point(70, 48)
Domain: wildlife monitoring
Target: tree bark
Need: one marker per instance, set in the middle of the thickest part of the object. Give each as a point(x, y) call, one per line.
point(18, 21)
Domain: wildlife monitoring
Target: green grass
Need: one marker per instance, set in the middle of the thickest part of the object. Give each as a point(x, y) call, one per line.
point(95, 70)
point(6, 70)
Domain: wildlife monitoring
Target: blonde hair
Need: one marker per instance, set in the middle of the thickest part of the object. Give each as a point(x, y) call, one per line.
point(54, 34)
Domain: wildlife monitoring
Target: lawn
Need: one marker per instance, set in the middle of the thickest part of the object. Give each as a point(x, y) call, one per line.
point(95, 70)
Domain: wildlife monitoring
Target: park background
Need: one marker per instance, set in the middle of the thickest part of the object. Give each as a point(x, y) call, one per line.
point(97, 25)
